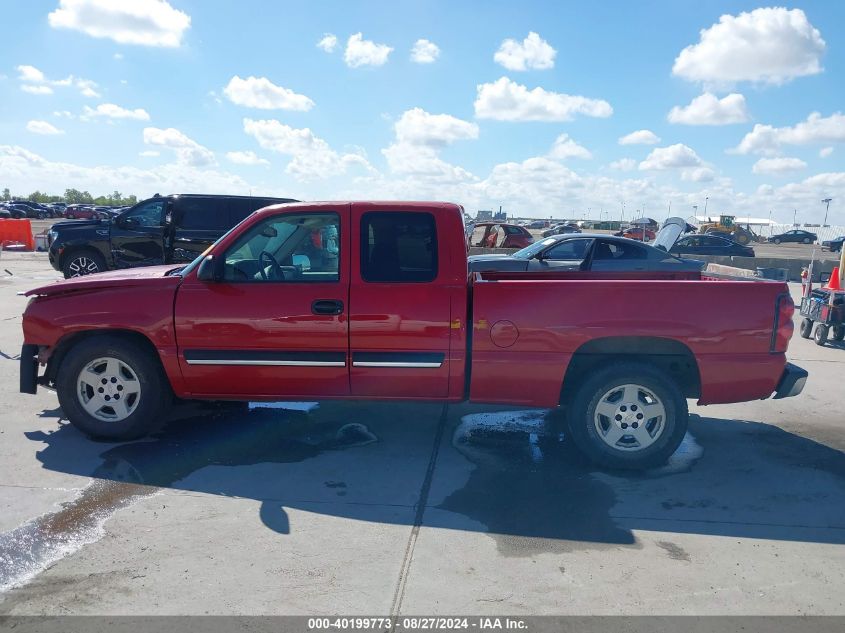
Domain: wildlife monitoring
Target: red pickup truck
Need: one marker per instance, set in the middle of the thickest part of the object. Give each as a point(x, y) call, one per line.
point(371, 300)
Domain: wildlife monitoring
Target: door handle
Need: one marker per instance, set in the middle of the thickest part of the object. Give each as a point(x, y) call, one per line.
point(327, 306)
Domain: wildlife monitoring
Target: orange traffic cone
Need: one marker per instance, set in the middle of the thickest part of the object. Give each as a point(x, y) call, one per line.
point(833, 284)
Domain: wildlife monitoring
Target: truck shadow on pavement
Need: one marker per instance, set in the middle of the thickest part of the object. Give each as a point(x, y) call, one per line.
point(516, 482)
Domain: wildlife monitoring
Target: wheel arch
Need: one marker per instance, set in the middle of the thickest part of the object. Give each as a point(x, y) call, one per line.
point(73, 249)
point(68, 341)
point(670, 355)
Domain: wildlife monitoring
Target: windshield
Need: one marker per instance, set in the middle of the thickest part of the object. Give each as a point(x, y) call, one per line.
point(530, 251)
point(186, 270)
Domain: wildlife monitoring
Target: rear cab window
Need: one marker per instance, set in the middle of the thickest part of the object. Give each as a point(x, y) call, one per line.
point(398, 247)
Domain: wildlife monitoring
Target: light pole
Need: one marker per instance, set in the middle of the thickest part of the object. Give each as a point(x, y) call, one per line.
point(827, 208)
point(794, 217)
point(706, 198)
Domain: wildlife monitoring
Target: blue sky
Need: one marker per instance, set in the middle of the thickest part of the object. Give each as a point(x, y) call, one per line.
point(520, 105)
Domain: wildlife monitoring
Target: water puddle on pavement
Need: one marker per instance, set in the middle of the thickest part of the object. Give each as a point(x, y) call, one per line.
point(534, 492)
point(40, 542)
point(127, 473)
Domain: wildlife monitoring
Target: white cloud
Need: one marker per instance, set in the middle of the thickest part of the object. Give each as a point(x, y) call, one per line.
point(778, 165)
point(188, 151)
point(672, 157)
point(640, 137)
point(766, 139)
point(28, 171)
point(532, 53)
point(419, 137)
point(113, 111)
point(418, 127)
point(246, 158)
point(149, 153)
point(425, 52)
point(117, 57)
point(564, 147)
point(698, 174)
point(328, 42)
point(824, 152)
point(37, 90)
point(769, 45)
point(312, 157)
point(624, 164)
point(708, 109)
point(506, 100)
point(142, 22)
point(361, 52)
point(35, 82)
point(63, 114)
point(43, 127)
point(260, 92)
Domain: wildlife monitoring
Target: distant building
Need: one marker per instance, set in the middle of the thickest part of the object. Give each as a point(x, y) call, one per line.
point(483, 216)
point(500, 216)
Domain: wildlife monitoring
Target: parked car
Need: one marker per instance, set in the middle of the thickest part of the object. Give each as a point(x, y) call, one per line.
point(80, 212)
point(639, 233)
point(161, 230)
point(499, 235)
point(561, 229)
point(710, 245)
point(32, 209)
point(585, 252)
point(834, 245)
point(538, 224)
point(19, 211)
point(278, 310)
point(796, 235)
point(4, 213)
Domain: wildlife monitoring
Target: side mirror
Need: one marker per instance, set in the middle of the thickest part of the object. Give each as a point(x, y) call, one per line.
point(128, 223)
point(209, 270)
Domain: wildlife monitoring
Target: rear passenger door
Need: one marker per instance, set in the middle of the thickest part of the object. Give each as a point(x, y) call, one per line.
point(612, 256)
point(195, 224)
point(399, 309)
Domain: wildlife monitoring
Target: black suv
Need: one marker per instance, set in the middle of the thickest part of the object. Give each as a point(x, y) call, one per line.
point(162, 230)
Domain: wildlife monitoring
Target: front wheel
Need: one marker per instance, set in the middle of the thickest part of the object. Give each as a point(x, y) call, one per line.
point(806, 328)
point(776, 241)
point(112, 388)
point(820, 336)
point(806, 240)
point(838, 332)
point(83, 263)
point(630, 415)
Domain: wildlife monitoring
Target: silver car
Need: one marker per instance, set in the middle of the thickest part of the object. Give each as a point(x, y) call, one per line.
point(595, 252)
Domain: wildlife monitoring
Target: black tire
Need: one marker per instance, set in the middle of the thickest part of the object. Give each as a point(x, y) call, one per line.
point(838, 332)
point(807, 240)
point(152, 401)
point(806, 328)
point(83, 262)
point(776, 240)
point(820, 335)
point(583, 422)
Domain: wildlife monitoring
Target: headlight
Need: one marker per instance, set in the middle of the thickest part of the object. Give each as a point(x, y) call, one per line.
point(52, 235)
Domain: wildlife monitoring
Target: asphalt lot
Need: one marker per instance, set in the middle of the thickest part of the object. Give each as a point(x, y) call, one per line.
point(379, 508)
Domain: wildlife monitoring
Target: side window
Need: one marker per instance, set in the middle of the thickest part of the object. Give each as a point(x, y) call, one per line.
point(568, 249)
point(295, 248)
point(398, 247)
point(477, 238)
point(150, 214)
point(617, 250)
point(201, 214)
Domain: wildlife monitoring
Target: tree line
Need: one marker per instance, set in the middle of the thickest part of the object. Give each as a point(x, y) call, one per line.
point(74, 196)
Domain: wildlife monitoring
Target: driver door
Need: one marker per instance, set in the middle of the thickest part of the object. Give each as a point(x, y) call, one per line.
point(565, 255)
point(276, 324)
point(137, 236)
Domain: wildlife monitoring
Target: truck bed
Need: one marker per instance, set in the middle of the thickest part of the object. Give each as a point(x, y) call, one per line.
point(527, 327)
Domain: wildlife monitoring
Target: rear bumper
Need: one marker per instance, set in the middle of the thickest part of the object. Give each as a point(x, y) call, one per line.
point(791, 382)
point(29, 368)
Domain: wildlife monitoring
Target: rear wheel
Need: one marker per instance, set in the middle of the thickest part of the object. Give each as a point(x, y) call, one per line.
point(81, 263)
point(112, 388)
point(806, 240)
point(820, 336)
point(631, 415)
point(838, 332)
point(806, 328)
